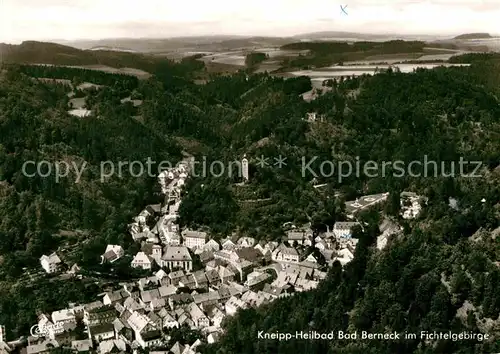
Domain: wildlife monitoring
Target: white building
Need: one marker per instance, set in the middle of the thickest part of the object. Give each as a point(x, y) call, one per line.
point(244, 168)
point(343, 229)
point(194, 239)
point(177, 257)
point(50, 263)
point(285, 254)
point(141, 260)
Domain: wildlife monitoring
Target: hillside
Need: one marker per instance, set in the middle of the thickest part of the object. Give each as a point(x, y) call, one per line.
point(325, 53)
point(473, 36)
point(31, 52)
point(445, 263)
point(442, 115)
point(209, 43)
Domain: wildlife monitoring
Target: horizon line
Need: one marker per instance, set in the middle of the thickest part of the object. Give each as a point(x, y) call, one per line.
point(55, 40)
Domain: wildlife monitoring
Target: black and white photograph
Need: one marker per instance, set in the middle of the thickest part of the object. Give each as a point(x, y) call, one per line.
point(260, 177)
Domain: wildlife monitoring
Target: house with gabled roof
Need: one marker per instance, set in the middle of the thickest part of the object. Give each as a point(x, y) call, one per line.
point(200, 279)
point(177, 348)
point(277, 292)
point(213, 277)
point(155, 320)
point(343, 229)
point(226, 274)
point(249, 254)
point(112, 346)
point(157, 304)
point(142, 260)
point(100, 315)
point(150, 337)
point(123, 330)
point(194, 239)
point(169, 321)
point(285, 254)
point(188, 281)
point(115, 296)
point(233, 305)
point(228, 244)
point(148, 295)
point(102, 332)
point(84, 345)
point(167, 290)
point(175, 277)
point(216, 317)
point(112, 253)
point(137, 321)
point(185, 320)
point(295, 237)
point(177, 257)
point(199, 318)
point(304, 284)
point(206, 256)
point(256, 280)
point(51, 264)
point(212, 245)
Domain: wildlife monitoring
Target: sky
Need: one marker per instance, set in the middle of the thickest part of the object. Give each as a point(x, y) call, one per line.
point(98, 19)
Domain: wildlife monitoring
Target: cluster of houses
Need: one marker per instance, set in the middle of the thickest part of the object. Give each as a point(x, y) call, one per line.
point(197, 281)
point(237, 273)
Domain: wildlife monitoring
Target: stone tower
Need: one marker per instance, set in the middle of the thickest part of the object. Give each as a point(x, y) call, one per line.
point(244, 168)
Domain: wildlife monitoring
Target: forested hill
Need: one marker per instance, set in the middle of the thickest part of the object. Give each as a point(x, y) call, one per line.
point(32, 52)
point(443, 114)
point(473, 36)
point(443, 274)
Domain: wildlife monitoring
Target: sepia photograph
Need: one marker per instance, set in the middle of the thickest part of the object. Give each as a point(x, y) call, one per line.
point(262, 177)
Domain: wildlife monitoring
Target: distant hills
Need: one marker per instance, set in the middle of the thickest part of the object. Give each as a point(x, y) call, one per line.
point(32, 52)
point(219, 43)
point(473, 36)
point(163, 45)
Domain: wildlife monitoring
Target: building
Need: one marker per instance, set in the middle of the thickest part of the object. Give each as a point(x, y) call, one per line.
point(285, 254)
point(244, 168)
point(194, 239)
point(354, 206)
point(343, 229)
point(295, 237)
point(102, 332)
point(51, 263)
point(112, 253)
point(141, 260)
point(177, 257)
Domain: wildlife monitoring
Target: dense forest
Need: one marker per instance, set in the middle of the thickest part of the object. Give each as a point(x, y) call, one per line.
point(318, 54)
point(445, 259)
point(418, 283)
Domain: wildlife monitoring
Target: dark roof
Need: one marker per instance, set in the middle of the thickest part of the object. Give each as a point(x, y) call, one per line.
point(249, 253)
point(101, 309)
point(150, 209)
point(151, 335)
point(182, 297)
point(156, 208)
point(212, 276)
point(147, 248)
point(110, 256)
point(102, 328)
